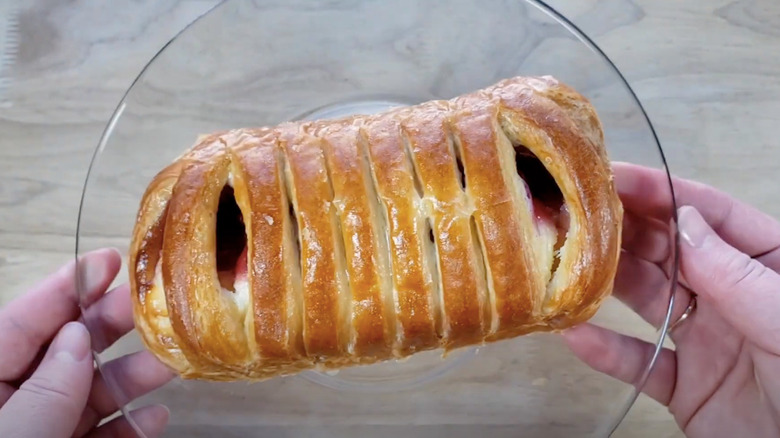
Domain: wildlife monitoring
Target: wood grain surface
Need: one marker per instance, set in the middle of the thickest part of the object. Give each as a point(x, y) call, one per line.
point(707, 72)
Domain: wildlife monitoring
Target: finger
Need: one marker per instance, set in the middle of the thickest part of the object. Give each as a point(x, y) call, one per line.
point(6, 391)
point(645, 192)
point(646, 238)
point(30, 321)
point(640, 285)
point(746, 292)
point(56, 393)
point(644, 288)
point(34, 364)
point(624, 358)
point(110, 317)
point(122, 381)
point(151, 420)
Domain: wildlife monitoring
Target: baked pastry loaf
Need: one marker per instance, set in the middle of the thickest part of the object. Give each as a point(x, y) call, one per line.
point(316, 245)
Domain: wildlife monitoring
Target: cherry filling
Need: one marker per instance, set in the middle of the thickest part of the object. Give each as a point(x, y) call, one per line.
point(548, 204)
point(231, 241)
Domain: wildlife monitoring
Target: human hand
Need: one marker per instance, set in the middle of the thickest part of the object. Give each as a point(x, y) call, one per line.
point(723, 377)
point(49, 387)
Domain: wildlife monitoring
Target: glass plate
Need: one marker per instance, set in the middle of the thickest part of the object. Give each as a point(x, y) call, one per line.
point(264, 62)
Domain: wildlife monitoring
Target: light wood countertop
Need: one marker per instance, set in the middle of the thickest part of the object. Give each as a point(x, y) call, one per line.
point(708, 73)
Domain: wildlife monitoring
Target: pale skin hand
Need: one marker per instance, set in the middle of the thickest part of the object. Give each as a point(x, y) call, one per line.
point(48, 384)
point(723, 377)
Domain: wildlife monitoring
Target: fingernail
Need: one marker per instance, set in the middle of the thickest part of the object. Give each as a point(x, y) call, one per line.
point(72, 343)
point(693, 228)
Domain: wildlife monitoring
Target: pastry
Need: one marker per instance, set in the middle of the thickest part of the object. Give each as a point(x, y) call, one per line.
point(324, 244)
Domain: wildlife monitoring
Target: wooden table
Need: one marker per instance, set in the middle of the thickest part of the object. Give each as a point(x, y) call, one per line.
point(707, 72)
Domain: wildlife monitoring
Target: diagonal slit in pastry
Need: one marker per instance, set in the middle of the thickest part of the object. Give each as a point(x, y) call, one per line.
point(231, 241)
point(548, 205)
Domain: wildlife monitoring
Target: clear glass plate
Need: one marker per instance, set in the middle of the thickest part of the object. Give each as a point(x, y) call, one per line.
point(264, 62)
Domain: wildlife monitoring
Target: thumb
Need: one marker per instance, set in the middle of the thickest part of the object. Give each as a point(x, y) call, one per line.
point(745, 292)
point(52, 400)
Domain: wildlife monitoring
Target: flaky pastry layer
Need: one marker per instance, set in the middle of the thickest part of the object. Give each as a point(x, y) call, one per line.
point(315, 245)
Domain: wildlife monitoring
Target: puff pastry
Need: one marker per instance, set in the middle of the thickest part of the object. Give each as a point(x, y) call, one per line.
point(324, 244)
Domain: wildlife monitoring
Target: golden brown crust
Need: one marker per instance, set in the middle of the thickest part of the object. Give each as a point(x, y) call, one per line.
point(462, 299)
point(396, 188)
point(208, 325)
point(501, 231)
point(323, 313)
point(581, 170)
point(260, 194)
point(356, 202)
point(378, 236)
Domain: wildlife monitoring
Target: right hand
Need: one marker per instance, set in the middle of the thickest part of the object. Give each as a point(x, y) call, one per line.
point(723, 377)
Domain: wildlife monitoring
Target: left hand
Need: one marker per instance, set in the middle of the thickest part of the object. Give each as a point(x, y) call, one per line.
point(49, 386)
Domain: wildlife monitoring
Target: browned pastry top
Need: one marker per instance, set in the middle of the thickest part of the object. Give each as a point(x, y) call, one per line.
point(263, 252)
